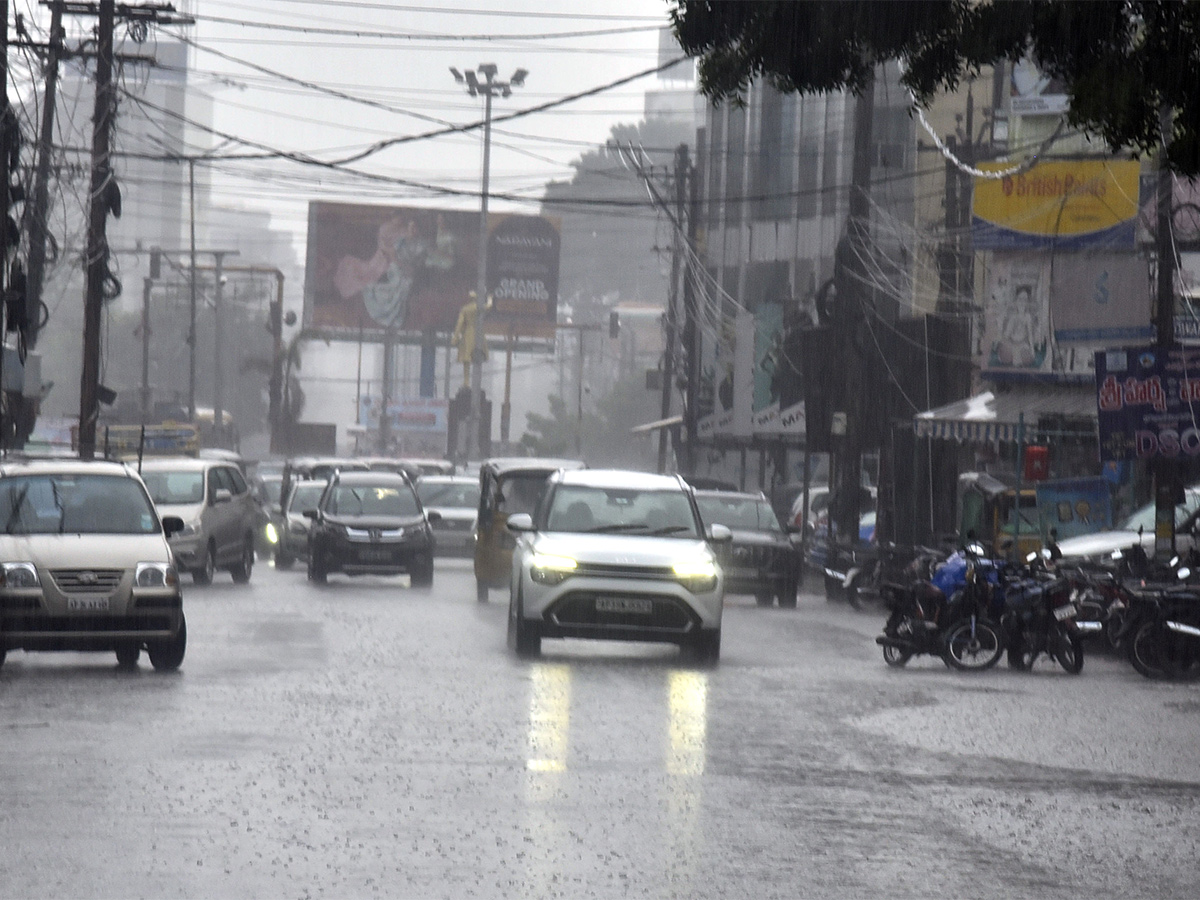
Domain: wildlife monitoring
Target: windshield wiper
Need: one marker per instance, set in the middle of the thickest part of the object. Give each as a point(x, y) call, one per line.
point(671, 529)
point(16, 509)
point(620, 526)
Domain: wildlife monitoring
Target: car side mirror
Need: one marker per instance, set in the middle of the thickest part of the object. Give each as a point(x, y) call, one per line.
point(311, 514)
point(519, 522)
point(171, 525)
point(222, 495)
point(719, 534)
point(432, 515)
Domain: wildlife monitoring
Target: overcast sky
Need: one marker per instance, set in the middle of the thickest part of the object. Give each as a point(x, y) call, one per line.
point(392, 62)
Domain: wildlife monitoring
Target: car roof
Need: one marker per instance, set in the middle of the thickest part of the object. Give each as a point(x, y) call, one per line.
point(505, 464)
point(370, 476)
point(757, 496)
point(447, 479)
point(13, 466)
point(621, 478)
point(181, 464)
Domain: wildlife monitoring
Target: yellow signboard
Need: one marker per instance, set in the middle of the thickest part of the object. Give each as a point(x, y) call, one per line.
point(1068, 203)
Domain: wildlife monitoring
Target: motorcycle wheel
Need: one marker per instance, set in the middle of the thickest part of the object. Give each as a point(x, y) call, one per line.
point(896, 657)
point(1144, 650)
point(973, 645)
point(1068, 650)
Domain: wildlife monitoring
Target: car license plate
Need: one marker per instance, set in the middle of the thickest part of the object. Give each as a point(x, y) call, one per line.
point(1064, 612)
point(639, 605)
point(374, 555)
point(87, 604)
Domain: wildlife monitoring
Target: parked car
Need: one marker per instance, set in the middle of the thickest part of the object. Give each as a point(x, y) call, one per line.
point(292, 542)
point(218, 510)
point(456, 500)
point(616, 555)
point(762, 559)
point(1138, 528)
point(370, 523)
point(506, 486)
point(85, 563)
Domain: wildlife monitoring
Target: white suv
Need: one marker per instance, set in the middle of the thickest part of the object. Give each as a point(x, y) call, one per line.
point(616, 555)
point(84, 563)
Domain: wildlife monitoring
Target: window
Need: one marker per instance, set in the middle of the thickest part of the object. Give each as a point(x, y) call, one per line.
point(175, 487)
point(618, 510)
point(237, 482)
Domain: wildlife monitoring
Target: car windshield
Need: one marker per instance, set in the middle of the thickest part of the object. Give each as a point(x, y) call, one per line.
point(621, 510)
point(1144, 517)
point(744, 513)
point(272, 488)
point(458, 494)
point(306, 496)
point(371, 500)
point(175, 487)
point(75, 504)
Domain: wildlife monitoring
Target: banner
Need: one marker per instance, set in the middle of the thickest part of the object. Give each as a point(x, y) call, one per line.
point(1016, 335)
point(1148, 402)
point(377, 269)
point(1101, 298)
point(768, 363)
point(1064, 204)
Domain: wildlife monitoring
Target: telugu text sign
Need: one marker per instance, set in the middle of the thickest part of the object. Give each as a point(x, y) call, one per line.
point(1148, 403)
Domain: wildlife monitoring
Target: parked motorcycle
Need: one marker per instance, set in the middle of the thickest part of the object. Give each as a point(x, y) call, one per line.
point(924, 619)
point(1040, 618)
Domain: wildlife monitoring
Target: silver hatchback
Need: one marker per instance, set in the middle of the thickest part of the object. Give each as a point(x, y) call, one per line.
point(84, 563)
point(616, 555)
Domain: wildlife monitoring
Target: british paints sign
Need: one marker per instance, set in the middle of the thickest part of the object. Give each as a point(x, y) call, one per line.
point(1068, 204)
point(1148, 403)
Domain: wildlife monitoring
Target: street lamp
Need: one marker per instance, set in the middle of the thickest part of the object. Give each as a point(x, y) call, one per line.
point(482, 81)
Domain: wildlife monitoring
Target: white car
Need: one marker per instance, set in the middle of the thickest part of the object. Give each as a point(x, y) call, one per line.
point(456, 500)
point(616, 555)
point(84, 563)
point(1138, 528)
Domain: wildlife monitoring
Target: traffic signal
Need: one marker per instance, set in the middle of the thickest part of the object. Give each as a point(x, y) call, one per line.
point(614, 324)
point(16, 315)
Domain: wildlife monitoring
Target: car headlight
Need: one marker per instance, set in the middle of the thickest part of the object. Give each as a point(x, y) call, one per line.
point(271, 533)
point(155, 575)
point(696, 573)
point(549, 568)
point(19, 575)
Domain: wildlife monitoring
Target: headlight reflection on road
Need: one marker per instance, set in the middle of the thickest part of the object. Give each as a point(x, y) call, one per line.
point(687, 699)
point(549, 718)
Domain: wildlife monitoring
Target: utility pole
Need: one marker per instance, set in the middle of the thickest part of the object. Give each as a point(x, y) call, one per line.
point(191, 339)
point(489, 88)
point(691, 335)
point(668, 380)
point(97, 241)
point(6, 134)
point(850, 271)
point(1167, 489)
point(40, 211)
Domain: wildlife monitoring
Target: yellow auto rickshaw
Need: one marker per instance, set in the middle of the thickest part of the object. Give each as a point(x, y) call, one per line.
point(989, 514)
point(506, 486)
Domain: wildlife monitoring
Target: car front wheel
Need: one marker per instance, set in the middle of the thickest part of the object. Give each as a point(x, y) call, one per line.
point(167, 655)
point(524, 636)
point(203, 574)
point(705, 649)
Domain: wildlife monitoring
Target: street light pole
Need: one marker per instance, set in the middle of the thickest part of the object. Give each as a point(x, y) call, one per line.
point(489, 88)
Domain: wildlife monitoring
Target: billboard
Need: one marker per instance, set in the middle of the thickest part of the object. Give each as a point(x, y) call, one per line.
point(1148, 401)
point(1016, 336)
point(375, 269)
point(1101, 298)
point(1064, 204)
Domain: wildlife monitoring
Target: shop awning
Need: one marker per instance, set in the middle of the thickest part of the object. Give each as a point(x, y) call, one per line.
point(990, 417)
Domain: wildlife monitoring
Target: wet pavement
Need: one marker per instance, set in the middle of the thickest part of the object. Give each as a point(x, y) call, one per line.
point(363, 739)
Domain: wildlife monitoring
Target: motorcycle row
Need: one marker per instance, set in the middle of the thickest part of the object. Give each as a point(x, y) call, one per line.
point(972, 610)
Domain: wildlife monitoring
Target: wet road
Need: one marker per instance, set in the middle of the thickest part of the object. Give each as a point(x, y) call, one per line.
point(363, 739)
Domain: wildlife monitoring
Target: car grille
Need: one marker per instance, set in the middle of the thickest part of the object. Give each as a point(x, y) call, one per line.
point(579, 609)
point(652, 573)
point(758, 556)
point(86, 581)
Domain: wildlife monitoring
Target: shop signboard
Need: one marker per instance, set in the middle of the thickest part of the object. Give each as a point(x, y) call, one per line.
point(1148, 403)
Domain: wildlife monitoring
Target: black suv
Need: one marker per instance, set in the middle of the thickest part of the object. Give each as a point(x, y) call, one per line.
point(763, 558)
point(370, 523)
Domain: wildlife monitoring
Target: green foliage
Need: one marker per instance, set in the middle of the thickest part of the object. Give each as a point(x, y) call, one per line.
point(1122, 62)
